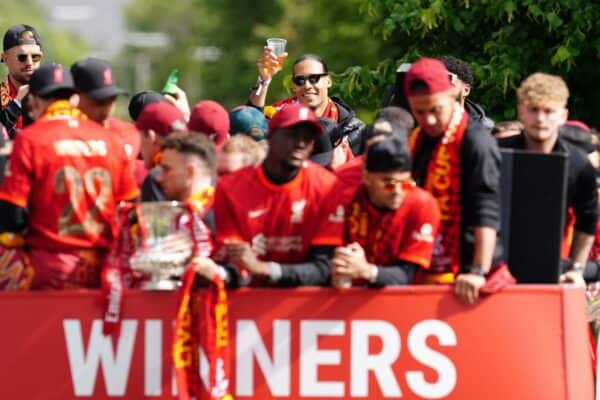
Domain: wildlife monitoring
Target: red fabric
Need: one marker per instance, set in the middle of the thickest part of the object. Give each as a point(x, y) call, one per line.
point(595, 251)
point(16, 272)
point(567, 242)
point(209, 327)
point(430, 71)
point(280, 221)
point(406, 234)
point(8, 92)
point(443, 182)
point(70, 173)
point(331, 111)
point(293, 114)
point(163, 118)
point(210, 118)
point(497, 279)
point(350, 177)
point(128, 134)
point(116, 271)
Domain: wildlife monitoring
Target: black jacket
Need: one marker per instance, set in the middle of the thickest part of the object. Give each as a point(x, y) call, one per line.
point(10, 114)
point(582, 195)
point(479, 184)
point(476, 113)
point(349, 125)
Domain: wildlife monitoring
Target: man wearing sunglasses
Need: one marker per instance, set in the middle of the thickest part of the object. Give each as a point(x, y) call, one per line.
point(310, 82)
point(390, 224)
point(22, 55)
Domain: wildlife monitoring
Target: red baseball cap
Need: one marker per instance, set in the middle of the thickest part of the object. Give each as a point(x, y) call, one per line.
point(210, 118)
point(294, 114)
point(163, 118)
point(432, 73)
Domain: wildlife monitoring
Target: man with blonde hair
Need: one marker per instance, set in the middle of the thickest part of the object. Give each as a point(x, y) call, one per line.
point(239, 151)
point(542, 108)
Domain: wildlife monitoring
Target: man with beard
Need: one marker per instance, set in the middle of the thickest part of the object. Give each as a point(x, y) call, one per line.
point(278, 221)
point(456, 159)
point(22, 55)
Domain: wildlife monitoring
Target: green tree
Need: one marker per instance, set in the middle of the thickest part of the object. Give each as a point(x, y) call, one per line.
point(333, 29)
point(503, 40)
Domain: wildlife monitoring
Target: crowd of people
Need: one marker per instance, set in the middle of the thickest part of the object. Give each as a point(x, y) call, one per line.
point(299, 192)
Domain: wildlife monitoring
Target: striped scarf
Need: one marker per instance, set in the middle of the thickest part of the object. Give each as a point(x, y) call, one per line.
point(443, 182)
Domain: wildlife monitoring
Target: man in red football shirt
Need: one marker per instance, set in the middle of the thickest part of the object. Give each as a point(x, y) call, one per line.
point(278, 221)
point(98, 93)
point(65, 178)
point(390, 223)
point(389, 122)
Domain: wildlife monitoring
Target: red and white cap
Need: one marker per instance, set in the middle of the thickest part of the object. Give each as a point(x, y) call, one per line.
point(294, 114)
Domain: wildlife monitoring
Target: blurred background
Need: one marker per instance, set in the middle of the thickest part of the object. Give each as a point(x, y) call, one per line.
point(215, 43)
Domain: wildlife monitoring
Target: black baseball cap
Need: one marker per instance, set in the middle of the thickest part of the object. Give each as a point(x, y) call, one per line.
point(15, 36)
point(50, 78)
point(322, 152)
point(142, 99)
point(94, 78)
point(388, 155)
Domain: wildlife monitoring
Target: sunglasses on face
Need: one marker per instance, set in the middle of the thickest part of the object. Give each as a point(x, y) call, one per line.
point(390, 184)
point(300, 80)
point(34, 57)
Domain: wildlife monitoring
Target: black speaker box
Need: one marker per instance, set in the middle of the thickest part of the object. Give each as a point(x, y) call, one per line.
point(534, 190)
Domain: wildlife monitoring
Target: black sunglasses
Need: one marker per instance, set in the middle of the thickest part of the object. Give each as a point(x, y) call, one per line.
point(34, 57)
point(300, 80)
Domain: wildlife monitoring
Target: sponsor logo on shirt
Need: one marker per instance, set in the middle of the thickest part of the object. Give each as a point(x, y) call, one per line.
point(425, 234)
point(338, 217)
point(297, 211)
point(279, 244)
point(256, 213)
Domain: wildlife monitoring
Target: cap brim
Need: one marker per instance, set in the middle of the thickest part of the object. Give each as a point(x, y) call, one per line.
point(323, 159)
point(105, 93)
point(318, 129)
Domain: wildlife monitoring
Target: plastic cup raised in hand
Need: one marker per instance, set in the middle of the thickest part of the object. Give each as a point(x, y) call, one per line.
point(277, 45)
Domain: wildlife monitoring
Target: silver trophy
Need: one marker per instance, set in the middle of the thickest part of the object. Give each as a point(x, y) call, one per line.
point(164, 246)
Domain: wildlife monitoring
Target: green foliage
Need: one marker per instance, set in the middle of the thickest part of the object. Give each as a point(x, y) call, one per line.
point(333, 29)
point(503, 40)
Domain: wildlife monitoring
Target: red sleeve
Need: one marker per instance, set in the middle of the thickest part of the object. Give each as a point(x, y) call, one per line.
point(225, 217)
point(330, 227)
point(422, 227)
point(128, 188)
point(19, 174)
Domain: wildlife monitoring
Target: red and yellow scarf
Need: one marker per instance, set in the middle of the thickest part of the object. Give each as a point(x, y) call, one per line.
point(377, 239)
point(7, 93)
point(63, 108)
point(443, 182)
point(207, 326)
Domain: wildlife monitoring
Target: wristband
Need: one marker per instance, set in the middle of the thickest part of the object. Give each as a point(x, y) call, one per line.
point(374, 273)
point(260, 83)
point(576, 267)
point(476, 270)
